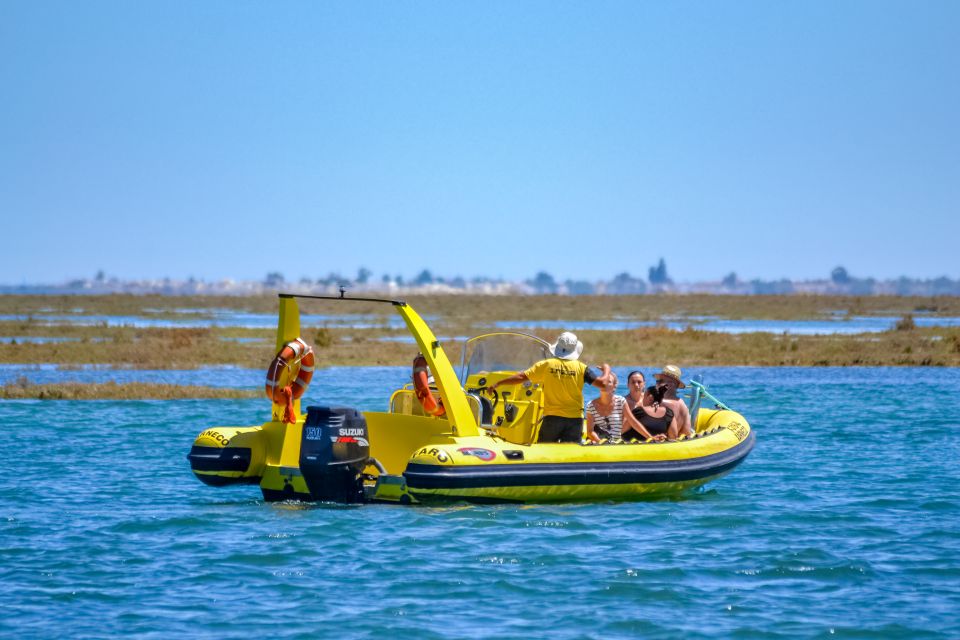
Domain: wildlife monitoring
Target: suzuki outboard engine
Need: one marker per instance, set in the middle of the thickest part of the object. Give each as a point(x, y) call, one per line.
point(334, 450)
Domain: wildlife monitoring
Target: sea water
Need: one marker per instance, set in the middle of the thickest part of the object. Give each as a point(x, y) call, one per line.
point(843, 522)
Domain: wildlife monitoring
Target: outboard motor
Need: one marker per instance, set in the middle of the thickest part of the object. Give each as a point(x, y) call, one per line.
point(334, 450)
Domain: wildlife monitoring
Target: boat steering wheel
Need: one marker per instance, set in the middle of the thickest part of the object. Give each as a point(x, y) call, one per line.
point(493, 394)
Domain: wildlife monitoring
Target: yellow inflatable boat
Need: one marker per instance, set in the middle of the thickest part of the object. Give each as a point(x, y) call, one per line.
point(479, 448)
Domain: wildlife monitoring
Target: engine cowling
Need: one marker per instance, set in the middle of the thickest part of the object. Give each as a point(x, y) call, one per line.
point(334, 450)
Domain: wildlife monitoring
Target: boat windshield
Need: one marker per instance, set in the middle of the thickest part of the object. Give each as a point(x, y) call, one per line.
point(506, 352)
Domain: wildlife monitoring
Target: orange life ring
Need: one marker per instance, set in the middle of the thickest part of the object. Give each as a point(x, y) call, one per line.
point(295, 353)
point(421, 386)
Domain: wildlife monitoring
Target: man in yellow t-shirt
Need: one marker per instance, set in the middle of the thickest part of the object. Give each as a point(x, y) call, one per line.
point(562, 378)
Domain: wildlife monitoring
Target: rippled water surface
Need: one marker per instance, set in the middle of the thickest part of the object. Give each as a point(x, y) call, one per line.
point(845, 520)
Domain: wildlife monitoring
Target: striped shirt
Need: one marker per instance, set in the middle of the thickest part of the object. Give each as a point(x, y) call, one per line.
point(609, 427)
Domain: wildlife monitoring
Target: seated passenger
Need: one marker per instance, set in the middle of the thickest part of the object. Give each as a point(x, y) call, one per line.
point(651, 420)
point(636, 385)
point(605, 414)
point(670, 379)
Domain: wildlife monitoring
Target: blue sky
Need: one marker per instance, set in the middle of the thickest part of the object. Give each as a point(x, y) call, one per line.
point(227, 139)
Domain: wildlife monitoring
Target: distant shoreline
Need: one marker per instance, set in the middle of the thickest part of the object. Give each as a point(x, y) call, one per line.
point(81, 336)
point(365, 283)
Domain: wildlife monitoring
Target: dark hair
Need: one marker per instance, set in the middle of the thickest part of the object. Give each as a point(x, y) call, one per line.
point(657, 392)
point(636, 372)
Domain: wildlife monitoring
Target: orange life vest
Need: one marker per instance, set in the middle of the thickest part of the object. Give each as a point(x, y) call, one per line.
point(421, 385)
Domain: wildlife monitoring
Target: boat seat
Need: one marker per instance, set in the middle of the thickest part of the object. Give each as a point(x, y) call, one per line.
point(486, 407)
point(405, 401)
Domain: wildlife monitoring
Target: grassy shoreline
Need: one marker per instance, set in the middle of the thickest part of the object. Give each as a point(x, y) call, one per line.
point(506, 307)
point(194, 348)
point(24, 390)
point(28, 339)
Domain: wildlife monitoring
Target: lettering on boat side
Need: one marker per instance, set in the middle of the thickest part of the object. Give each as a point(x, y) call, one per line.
point(215, 435)
point(484, 454)
point(738, 430)
point(439, 454)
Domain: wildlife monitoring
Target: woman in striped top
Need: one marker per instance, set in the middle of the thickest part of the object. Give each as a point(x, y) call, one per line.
point(605, 414)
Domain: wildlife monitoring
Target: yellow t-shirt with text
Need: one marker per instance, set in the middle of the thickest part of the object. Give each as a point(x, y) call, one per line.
point(562, 383)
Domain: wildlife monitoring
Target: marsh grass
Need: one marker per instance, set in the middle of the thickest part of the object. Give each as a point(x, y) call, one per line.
point(906, 323)
point(918, 347)
point(187, 348)
point(138, 348)
point(24, 390)
point(510, 307)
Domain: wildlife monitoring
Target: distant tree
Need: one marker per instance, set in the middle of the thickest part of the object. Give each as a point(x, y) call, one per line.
point(101, 276)
point(306, 281)
point(730, 280)
point(543, 282)
point(274, 279)
point(363, 275)
point(385, 279)
point(424, 277)
point(840, 276)
point(624, 283)
point(658, 274)
point(862, 287)
point(579, 287)
point(944, 286)
point(332, 279)
point(774, 287)
point(903, 286)
point(458, 282)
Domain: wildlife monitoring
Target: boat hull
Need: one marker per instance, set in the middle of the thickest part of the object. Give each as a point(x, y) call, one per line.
point(571, 481)
point(488, 469)
point(421, 461)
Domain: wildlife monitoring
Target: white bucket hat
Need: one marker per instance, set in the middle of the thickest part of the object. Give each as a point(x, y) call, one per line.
point(567, 347)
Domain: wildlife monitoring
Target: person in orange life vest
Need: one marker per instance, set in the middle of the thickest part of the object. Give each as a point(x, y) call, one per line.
point(562, 378)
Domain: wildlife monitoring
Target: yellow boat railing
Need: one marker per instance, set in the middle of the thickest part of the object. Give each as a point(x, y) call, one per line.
point(459, 413)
